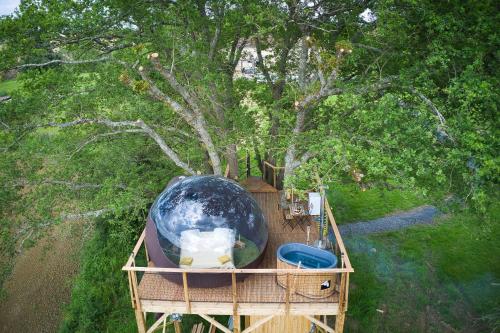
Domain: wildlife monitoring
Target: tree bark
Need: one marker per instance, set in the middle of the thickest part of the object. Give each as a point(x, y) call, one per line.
point(232, 161)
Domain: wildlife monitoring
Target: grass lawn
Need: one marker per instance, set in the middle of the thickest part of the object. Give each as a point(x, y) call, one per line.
point(350, 204)
point(443, 278)
point(7, 87)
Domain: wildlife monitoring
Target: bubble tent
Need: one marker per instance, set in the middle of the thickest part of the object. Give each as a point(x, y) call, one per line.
point(205, 222)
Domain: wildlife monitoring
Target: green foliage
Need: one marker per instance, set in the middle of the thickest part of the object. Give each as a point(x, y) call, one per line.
point(100, 299)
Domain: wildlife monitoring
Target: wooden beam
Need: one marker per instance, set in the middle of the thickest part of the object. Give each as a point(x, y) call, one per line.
point(132, 298)
point(139, 316)
point(338, 237)
point(244, 309)
point(164, 325)
point(136, 249)
point(215, 323)
point(236, 317)
point(160, 321)
point(320, 324)
point(339, 319)
point(177, 326)
point(257, 324)
point(237, 270)
point(346, 297)
point(287, 294)
point(186, 292)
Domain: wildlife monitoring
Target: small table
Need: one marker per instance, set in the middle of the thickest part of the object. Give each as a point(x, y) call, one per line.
point(299, 215)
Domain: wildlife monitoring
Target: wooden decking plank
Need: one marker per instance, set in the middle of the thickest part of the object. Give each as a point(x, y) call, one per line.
point(257, 185)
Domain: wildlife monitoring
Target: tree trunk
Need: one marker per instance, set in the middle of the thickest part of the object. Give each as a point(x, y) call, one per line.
point(232, 161)
point(291, 152)
point(200, 127)
point(208, 166)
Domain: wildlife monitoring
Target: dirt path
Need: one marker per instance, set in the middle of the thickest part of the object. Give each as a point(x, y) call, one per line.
point(420, 215)
point(40, 283)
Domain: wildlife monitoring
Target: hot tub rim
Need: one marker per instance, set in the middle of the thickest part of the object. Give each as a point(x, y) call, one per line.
point(301, 245)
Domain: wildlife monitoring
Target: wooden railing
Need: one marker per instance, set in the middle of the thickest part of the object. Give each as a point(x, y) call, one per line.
point(342, 285)
point(269, 169)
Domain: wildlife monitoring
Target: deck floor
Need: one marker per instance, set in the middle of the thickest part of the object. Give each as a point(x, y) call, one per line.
point(254, 289)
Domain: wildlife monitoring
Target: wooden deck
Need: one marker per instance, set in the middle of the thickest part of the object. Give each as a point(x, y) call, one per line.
point(258, 300)
point(258, 294)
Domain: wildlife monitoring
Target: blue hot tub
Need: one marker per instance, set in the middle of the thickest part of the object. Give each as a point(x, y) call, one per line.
point(308, 256)
point(301, 256)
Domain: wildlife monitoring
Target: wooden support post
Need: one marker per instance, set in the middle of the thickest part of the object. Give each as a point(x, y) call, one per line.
point(186, 292)
point(139, 316)
point(164, 325)
point(177, 326)
point(287, 303)
point(132, 299)
point(287, 294)
point(339, 319)
point(147, 254)
point(249, 171)
point(346, 297)
point(236, 317)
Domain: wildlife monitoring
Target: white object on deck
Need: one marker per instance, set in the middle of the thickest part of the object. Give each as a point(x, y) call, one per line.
point(314, 203)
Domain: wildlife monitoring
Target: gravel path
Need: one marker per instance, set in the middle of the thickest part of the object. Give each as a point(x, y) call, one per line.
point(420, 215)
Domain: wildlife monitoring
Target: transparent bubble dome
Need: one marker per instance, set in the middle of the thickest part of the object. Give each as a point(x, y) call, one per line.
point(198, 215)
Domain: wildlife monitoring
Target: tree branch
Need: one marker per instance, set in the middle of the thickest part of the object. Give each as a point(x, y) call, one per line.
point(190, 99)
point(261, 64)
point(442, 121)
point(84, 215)
point(193, 116)
point(213, 43)
point(138, 124)
point(63, 62)
point(431, 105)
point(96, 137)
point(71, 185)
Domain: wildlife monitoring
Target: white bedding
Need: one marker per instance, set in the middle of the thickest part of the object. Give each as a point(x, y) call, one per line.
point(205, 248)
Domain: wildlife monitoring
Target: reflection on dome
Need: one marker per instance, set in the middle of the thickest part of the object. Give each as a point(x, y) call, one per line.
point(208, 222)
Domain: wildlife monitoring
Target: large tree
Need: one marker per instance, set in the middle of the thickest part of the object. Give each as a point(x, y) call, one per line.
point(182, 55)
point(376, 95)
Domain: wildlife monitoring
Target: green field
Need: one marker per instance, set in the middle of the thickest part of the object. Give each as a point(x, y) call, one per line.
point(7, 87)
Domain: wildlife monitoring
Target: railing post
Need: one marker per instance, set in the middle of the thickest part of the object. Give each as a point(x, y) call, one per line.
point(139, 315)
point(339, 319)
point(236, 317)
point(274, 177)
point(186, 292)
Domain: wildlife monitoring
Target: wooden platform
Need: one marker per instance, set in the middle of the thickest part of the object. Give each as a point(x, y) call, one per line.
point(257, 294)
point(256, 185)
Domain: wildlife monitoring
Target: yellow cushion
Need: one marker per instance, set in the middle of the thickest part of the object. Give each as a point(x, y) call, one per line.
point(186, 261)
point(223, 259)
